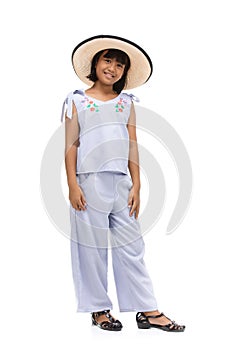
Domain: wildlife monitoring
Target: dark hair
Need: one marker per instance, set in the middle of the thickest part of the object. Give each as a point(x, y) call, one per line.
point(121, 57)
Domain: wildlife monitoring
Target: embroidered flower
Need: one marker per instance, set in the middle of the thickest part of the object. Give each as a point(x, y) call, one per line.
point(91, 105)
point(120, 105)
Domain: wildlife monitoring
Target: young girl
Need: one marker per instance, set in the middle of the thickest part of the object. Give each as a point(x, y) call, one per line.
point(100, 148)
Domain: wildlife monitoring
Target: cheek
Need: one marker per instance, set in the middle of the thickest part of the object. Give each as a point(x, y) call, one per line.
point(120, 74)
point(98, 69)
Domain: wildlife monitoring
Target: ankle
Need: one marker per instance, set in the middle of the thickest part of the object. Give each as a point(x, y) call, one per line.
point(154, 312)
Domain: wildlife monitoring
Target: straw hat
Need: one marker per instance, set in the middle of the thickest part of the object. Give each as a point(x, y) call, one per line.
point(140, 63)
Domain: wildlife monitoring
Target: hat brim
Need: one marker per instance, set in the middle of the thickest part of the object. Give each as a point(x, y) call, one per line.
point(140, 63)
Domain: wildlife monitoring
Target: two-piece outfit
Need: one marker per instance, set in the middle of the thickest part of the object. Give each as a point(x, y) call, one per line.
point(102, 174)
point(102, 164)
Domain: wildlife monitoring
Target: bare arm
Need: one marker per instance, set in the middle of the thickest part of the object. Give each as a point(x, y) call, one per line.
point(133, 162)
point(76, 195)
point(71, 144)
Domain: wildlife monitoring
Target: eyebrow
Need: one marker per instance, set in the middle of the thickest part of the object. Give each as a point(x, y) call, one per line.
point(111, 58)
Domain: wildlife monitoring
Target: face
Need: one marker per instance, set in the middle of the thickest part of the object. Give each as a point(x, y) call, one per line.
point(109, 70)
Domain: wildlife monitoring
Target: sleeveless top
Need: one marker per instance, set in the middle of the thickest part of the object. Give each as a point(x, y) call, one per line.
point(103, 133)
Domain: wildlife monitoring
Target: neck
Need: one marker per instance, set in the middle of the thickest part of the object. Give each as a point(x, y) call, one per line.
point(103, 89)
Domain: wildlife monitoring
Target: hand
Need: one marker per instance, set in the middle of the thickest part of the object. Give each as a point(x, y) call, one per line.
point(77, 198)
point(134, 202)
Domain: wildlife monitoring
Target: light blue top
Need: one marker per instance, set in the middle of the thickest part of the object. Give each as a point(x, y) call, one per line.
point(103, 133)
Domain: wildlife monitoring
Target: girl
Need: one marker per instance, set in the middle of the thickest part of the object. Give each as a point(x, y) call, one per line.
point(100, 148)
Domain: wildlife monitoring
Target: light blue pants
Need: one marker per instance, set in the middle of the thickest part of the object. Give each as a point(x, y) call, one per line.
point(106, 223)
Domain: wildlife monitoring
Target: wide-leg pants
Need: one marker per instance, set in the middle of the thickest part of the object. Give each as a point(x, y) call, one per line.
point(106, 223)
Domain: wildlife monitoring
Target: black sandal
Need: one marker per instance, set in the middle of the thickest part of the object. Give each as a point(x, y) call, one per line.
point(111, 325)
point(144, 323)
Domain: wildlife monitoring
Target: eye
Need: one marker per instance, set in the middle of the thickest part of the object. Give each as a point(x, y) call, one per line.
point(120, 65)
point(107, 60)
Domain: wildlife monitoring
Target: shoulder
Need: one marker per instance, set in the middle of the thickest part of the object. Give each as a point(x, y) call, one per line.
point(72, 98)
point(79, 92)
point(130, 97)
point(76, 95)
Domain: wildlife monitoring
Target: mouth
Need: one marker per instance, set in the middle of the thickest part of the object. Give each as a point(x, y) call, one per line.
point(109, 75)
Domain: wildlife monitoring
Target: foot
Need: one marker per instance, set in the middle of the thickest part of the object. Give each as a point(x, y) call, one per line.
point(162, 321)
point(105, 320)
point(157, 319)
point(102, 318)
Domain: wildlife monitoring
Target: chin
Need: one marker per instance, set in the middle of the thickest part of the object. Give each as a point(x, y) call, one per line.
point(107, 83)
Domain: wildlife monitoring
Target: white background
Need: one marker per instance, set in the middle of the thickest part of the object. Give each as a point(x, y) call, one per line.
point(190, 43)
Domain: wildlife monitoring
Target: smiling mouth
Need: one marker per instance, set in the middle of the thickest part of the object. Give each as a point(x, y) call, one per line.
point(109, 75)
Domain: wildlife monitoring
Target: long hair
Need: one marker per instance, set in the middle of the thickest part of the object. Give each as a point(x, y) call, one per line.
point(121, 57)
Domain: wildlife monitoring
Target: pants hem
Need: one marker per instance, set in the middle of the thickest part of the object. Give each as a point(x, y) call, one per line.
point(145, 309)
point(94, 309)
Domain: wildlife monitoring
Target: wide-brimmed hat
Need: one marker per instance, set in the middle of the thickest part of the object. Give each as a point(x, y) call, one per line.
point(140, 63)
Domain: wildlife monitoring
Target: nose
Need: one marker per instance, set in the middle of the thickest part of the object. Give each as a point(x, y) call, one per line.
point(112, 66)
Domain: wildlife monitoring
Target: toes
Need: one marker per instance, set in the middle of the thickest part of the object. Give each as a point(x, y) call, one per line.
point(176, 327)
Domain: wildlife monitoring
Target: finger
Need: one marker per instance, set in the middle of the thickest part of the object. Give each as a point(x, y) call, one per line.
point(83, 201)
point(82, 198)
point(81, 206)
point(76, 206)
point(137, 212)
point(130, 202)
point(132, 209)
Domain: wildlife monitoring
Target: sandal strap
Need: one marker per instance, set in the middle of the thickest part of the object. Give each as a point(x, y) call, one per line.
point(107, 314)
point(99, 313)
point(174, 325)
point(143, 315)
point(162, 314)
point(110, 324)
point(143, 319)
point(171, 325)
point(156, 316)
